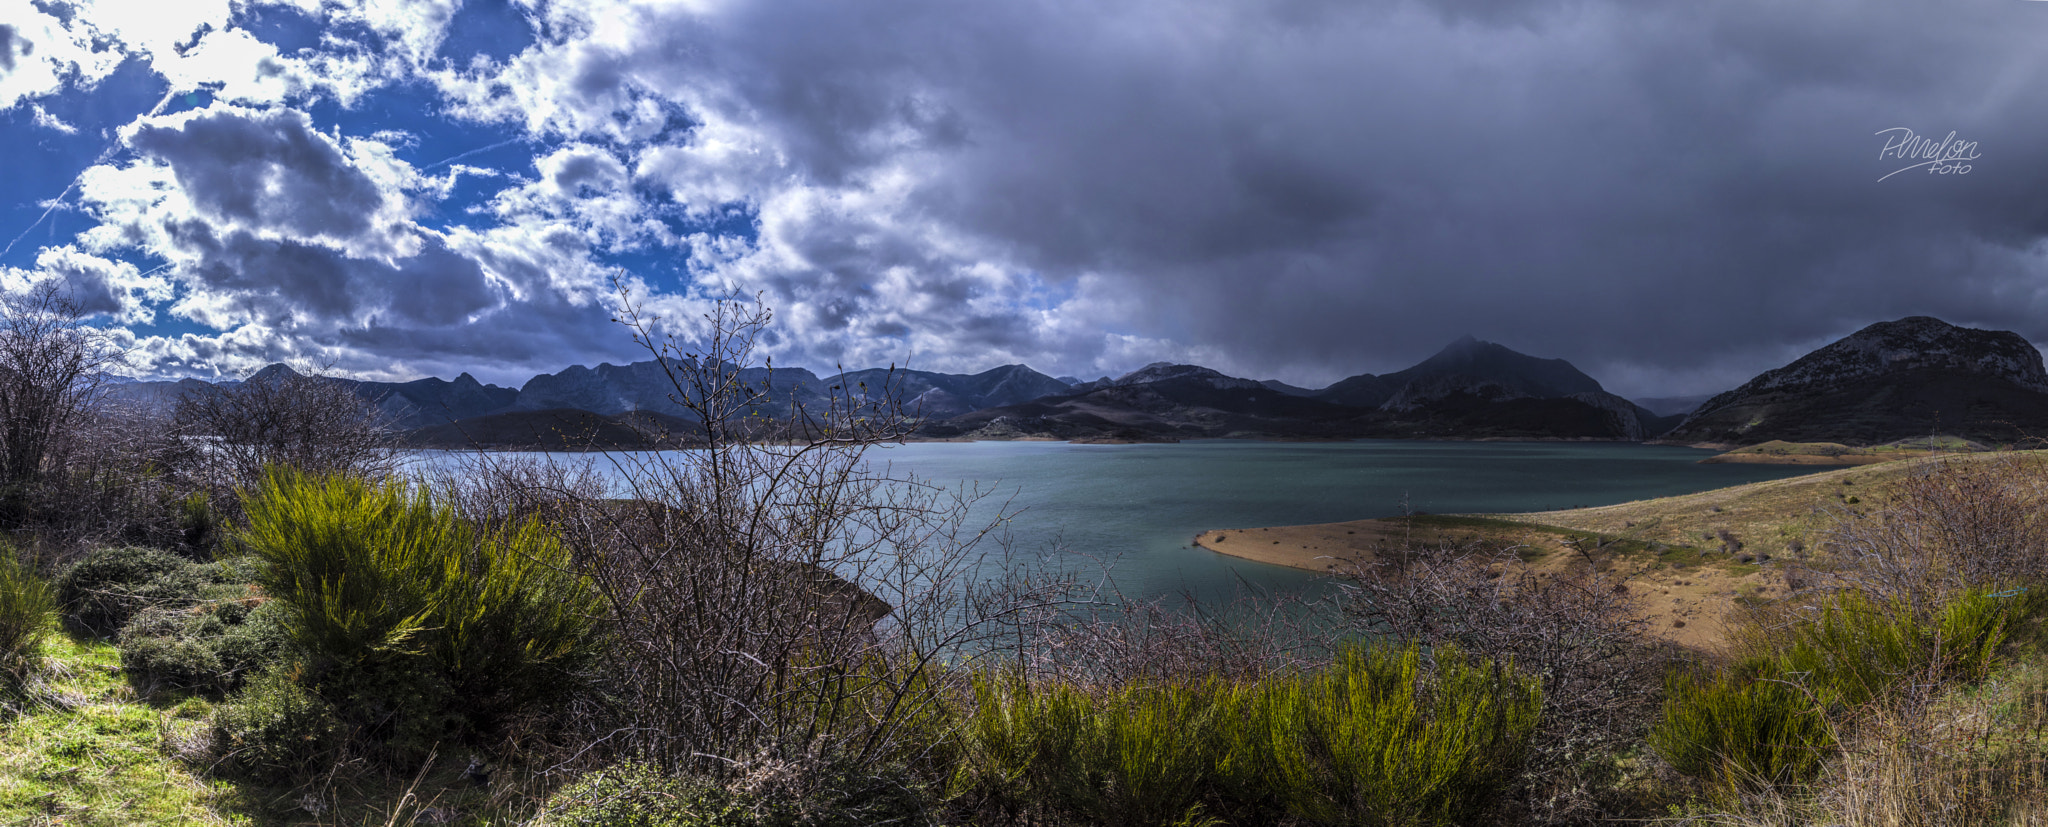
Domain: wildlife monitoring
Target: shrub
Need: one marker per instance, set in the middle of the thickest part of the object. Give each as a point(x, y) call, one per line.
point(1857, 647)
point(1738, 731)
point(1952, 524)
point(1377, 739)
point(1766, 720)
point(278, 417)
point(415, 617)
point(274, 730)
point(1584, 637)
point(766, 794)
point(634, 795)
point(106, 587)
point(26, 606)
point(51, 365)
point(210, 647)
point(1144, 754)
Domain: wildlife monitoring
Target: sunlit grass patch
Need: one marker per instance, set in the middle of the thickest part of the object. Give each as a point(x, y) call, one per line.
point(83, 751)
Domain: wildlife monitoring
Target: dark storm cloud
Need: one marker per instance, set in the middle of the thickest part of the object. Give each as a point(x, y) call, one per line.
point(1674, 193)
point(286, 281)
point(269, 170)
point(8, 39)
point(92, 285)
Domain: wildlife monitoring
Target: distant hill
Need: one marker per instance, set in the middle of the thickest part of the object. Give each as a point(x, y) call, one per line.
point(1886, 382)
point(415, 404)
point(1486, 362)
point(643, 386)
point(1160, 401)
point(944, 395)
point(1470, 390)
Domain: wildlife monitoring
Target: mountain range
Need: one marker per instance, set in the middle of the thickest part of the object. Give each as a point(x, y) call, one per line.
point(1888, 381)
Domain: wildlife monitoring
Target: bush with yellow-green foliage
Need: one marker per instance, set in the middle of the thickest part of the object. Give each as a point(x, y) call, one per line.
point(27, 607)
point(1377, 737)
point(1767, 719)
point(419, 626)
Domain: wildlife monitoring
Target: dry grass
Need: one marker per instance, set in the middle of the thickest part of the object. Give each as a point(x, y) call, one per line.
point(1977, 757)
point(1768, 517)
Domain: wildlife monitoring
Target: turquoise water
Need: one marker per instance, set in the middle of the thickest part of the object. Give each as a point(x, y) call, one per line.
point(1137, 508)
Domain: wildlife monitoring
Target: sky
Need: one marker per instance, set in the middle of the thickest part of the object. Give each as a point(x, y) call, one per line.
point(1672, 194)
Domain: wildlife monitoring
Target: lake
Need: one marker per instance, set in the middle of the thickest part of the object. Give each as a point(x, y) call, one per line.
point(1138, 507)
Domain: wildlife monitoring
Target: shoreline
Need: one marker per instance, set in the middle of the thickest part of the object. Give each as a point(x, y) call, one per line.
point(1694, 605)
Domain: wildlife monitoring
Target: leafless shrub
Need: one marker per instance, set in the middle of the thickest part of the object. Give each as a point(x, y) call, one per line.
point(1731, 545)
point(311, 423)
point(491, 486)
point(1117, 641)
point(1951, 524)
point(1582, 636)
point(776, 602)
point(51, 363)
point(121, 481)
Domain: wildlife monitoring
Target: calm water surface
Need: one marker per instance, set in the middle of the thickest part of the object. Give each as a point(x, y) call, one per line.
point(1138, 507)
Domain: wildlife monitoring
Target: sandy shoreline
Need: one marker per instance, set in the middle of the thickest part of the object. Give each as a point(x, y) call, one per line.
point(1806, 459)
point(1690, 606)
point(1320, 548)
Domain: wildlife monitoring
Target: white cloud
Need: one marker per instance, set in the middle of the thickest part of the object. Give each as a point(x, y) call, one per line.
point(42, 55)
point(48, 121)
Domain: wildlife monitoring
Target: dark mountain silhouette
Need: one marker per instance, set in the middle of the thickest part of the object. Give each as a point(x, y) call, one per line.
point(1889, 381)
point(1160, 401)
point(942, 395)
point(1471, 389)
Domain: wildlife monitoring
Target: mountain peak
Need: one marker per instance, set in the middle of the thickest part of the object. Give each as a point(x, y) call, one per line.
point(1486, 362)
point(273, 372)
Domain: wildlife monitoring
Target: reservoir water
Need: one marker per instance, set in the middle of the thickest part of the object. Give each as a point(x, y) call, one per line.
point(1137, 508)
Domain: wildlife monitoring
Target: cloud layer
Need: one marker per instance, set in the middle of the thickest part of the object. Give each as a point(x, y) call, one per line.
point(1674, 196)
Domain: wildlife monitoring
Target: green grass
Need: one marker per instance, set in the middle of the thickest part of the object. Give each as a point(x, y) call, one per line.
point(84, 751)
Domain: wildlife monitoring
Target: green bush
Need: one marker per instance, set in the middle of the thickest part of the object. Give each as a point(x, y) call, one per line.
point(1739, 731)
point(1144, 754)
point(1765, 720)
point(209, 647)
point(633, 795)
point(839, 795)
point(106, 587)
point(274, 731)
point(412, 618)
point(26, 606)
point(1378, 739)
point(1855, 649)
